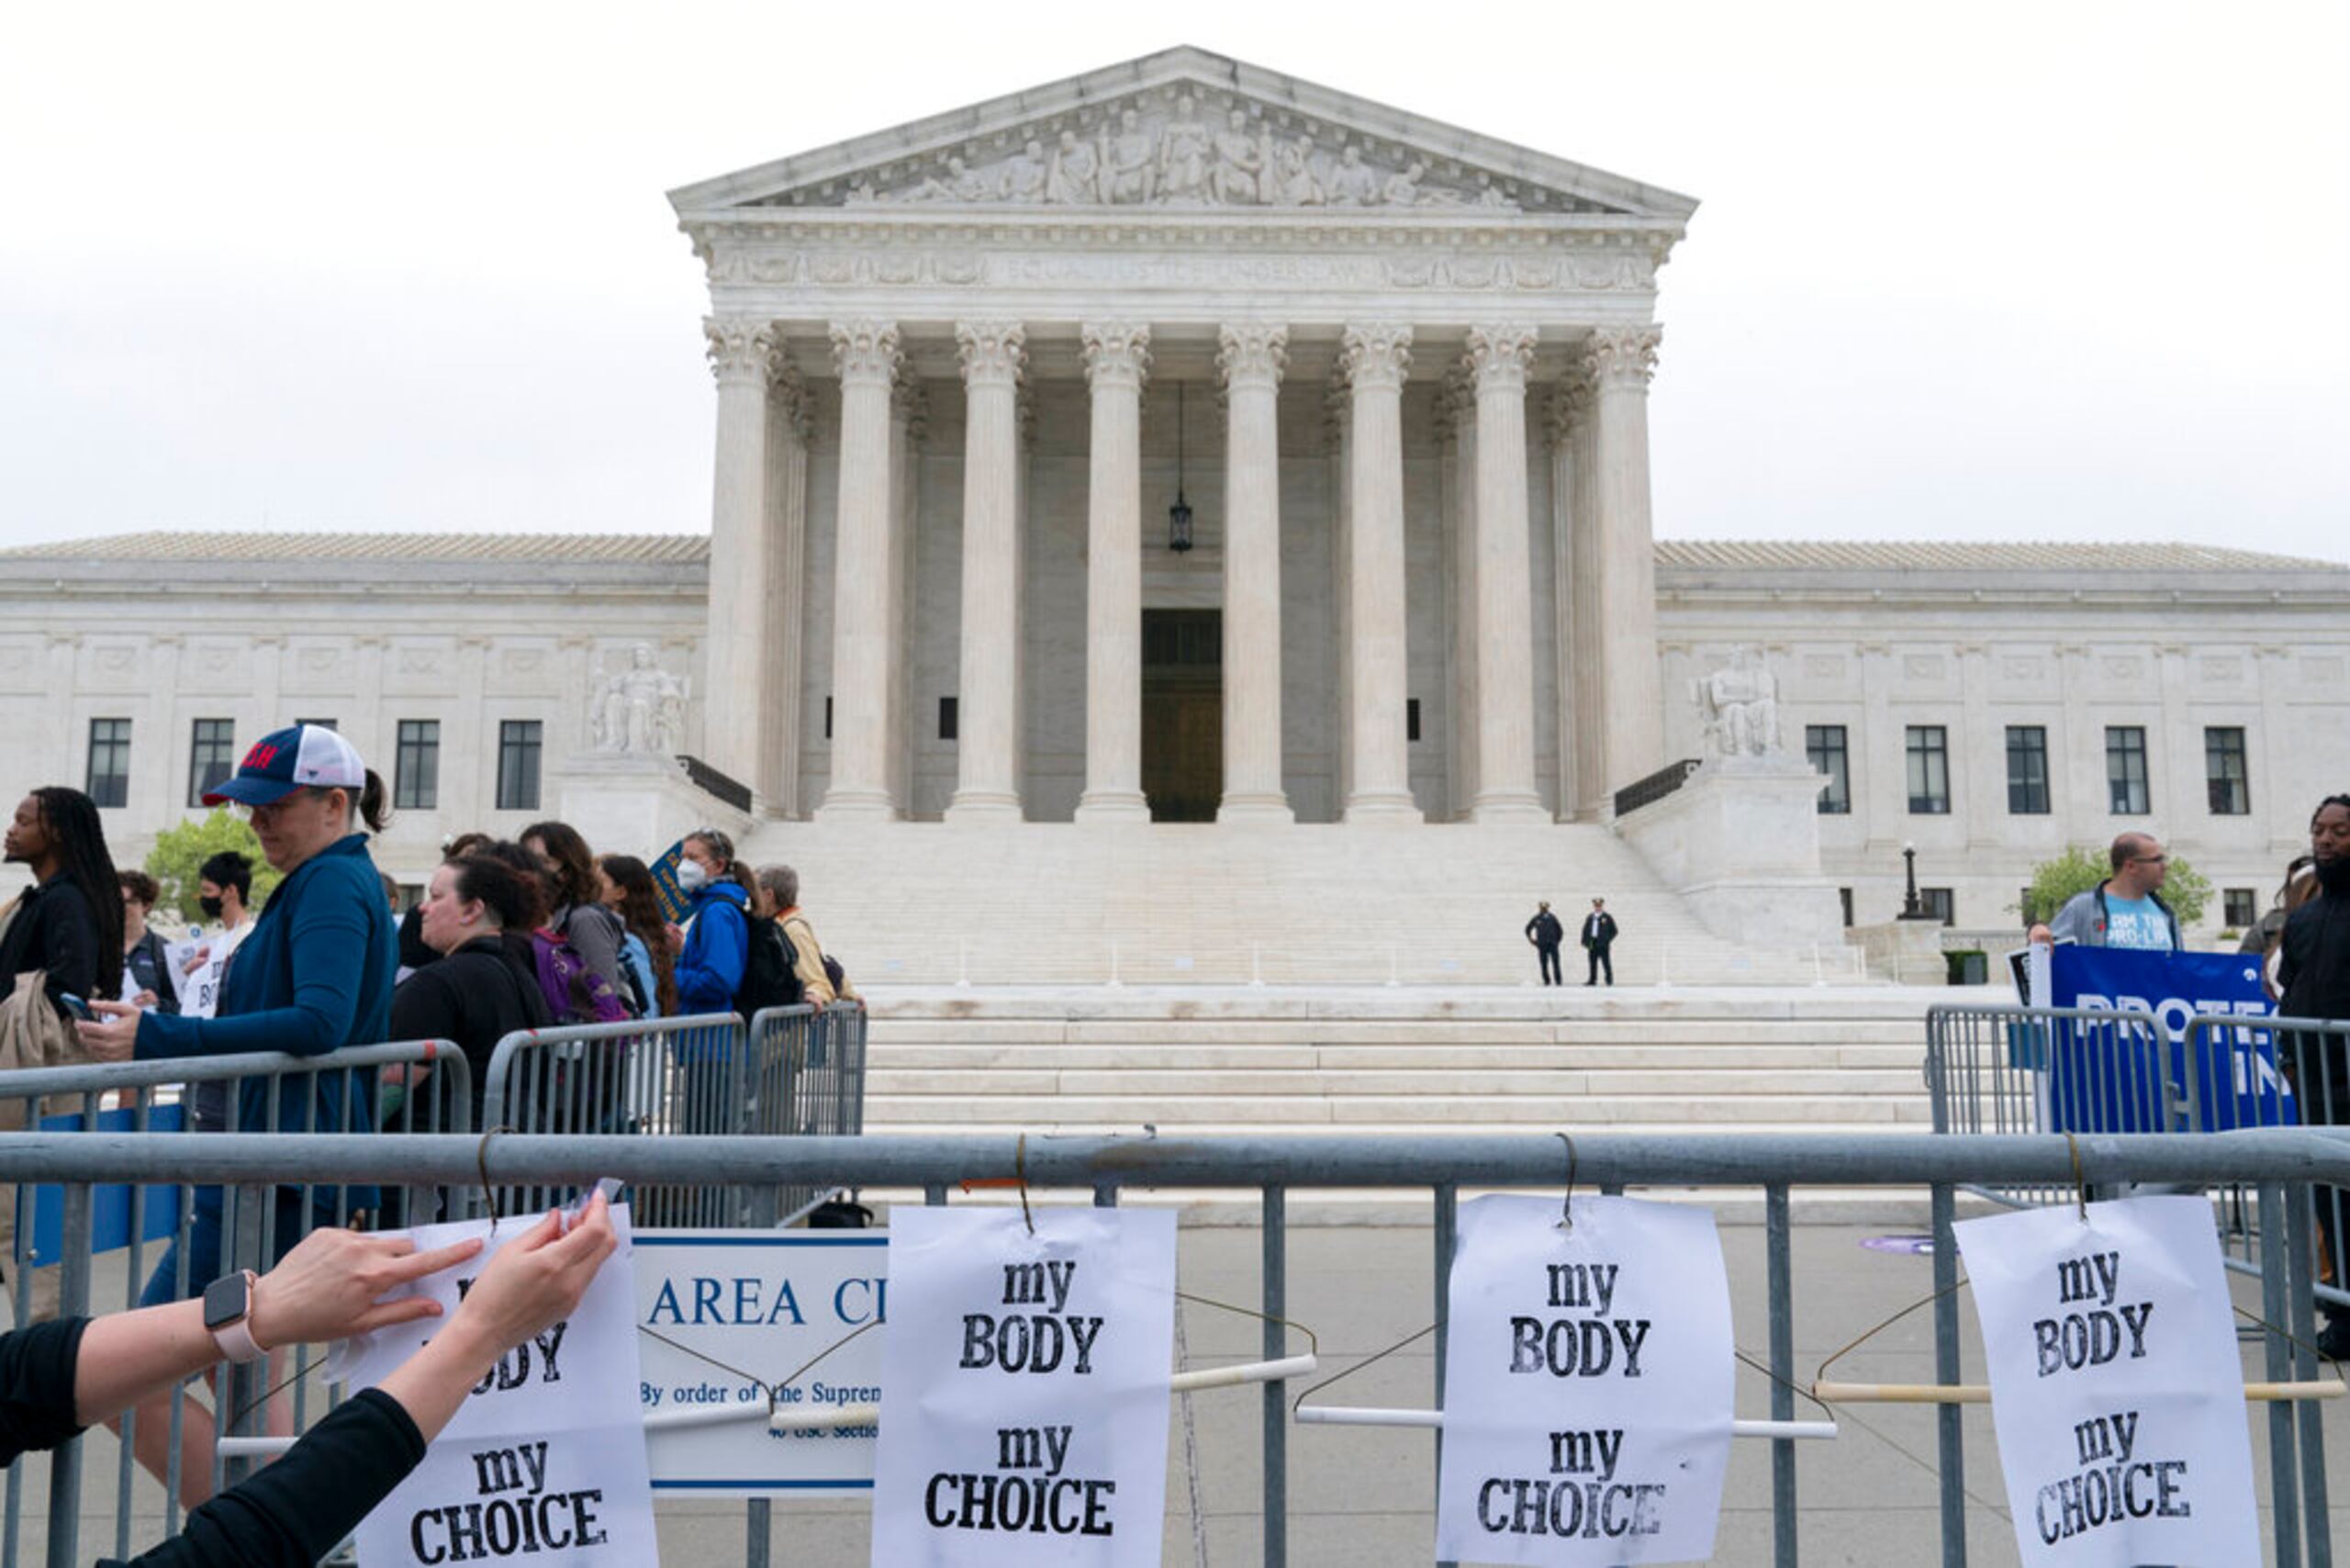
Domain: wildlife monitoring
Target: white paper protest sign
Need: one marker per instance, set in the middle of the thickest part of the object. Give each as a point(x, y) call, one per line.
point(1025, 1418)
point(766, 1302)
point(2117, 1386)
point(1588, 1384)
point(198, 991)
point(544, 1463)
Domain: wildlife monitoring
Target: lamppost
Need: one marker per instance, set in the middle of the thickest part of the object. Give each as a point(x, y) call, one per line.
point(1911, 909)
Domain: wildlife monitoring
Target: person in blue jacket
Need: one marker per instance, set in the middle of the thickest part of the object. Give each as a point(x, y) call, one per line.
point(315, 975)
point(712, 957)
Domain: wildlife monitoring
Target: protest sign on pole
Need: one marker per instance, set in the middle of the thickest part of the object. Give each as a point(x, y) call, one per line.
point(1588, 1383)
point(2117, 1386)
point(2098, 1083)
point(544, 1461)
point(1025, 1417)
point(766, 1303)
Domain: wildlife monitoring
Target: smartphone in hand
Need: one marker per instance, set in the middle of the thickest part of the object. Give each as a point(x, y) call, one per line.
point(76, 1006)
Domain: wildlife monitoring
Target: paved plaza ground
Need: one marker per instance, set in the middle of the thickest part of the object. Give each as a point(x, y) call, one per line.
point(1362, 1498)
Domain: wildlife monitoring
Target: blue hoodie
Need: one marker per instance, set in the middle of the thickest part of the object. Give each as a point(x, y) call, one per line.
point(709, 971)
point(313, 976)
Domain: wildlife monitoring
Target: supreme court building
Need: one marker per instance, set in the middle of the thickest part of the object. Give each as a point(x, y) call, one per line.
point(1389, 378)
point(1185, 442)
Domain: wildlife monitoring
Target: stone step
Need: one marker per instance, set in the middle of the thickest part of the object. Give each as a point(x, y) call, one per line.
point(1068, 1113)
point(1132, 1124)
point(894, 1058)
point(894, 1031)
point(1433, 1081)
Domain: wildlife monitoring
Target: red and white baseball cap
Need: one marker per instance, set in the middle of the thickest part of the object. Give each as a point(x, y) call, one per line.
point(286, 760)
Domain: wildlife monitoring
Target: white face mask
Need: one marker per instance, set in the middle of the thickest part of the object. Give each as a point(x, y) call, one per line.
point(692, 875)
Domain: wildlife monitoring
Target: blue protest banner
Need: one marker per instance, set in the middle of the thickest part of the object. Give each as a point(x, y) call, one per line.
point(110, 1207)
point(2104, 1081)
point(675, 903)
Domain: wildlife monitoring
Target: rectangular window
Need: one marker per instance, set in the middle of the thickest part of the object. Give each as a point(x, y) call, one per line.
point(2241, 906)
point(1825, 745)
point(828, 718)
point(211, 755)
point(2224, 772)
point(321, 723)
point(2125, 770)
point(1939, 904)
point(108, 779)
point(518, 765)
point(2028, 770)
point(416, 774)
point(1411, 719)
point(1844, 897)
point(1928, 770)
point(950, 721)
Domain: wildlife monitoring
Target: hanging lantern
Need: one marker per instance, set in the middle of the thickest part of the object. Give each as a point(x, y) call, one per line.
point(1179, 516)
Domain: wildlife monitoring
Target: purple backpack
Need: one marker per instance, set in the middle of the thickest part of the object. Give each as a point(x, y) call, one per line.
point(575, 993)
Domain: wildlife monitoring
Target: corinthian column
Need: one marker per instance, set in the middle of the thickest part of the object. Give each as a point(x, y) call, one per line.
point(1380, 780)
point(1117, 357)
point(736, 643)
point(1251, 360)
point(1621, 360)
point(866, 354)
point(1497, 359)
point(987, 781)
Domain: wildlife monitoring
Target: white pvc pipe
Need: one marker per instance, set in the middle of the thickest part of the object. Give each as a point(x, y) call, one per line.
point(792, 1418)
point(1363, 1416)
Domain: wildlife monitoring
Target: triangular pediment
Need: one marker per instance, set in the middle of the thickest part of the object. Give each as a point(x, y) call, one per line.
point(1182, 130)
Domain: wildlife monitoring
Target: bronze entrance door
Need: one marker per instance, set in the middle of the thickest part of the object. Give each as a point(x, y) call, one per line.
point(1182, 713)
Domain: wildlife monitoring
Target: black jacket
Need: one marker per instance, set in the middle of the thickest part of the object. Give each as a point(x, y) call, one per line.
point(1545, 929)
point(1604, 935)
point(476, 996)
point(288, 1515)
point(2315, 971)
point(55, 929)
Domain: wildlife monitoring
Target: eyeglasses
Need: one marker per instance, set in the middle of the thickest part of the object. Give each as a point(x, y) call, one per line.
point(2150, 859)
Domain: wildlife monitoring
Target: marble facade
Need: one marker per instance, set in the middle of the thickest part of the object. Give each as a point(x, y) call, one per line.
point(945, 354)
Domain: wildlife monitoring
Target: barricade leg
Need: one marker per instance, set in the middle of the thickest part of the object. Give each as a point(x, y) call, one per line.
point(73, 1300)
point(2301, 1275)
point(1273, 1301)
point(1949, 1436)
point(1778, 1244)
point(1447, 1205)
point(2276, 1306)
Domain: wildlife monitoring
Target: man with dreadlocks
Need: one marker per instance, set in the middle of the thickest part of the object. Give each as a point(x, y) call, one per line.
point(70, 918)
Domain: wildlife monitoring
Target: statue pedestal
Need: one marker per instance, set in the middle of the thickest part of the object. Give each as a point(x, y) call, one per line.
point(633, 803)
point(1740, 842)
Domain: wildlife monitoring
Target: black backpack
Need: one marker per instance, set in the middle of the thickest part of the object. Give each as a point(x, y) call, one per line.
point(770, 976)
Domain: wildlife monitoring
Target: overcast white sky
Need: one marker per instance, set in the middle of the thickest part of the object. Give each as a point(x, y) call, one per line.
point(1983, 271)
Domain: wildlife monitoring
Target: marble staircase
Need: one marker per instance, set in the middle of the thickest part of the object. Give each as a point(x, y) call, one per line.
point(1333, 1060)
point(1056, 903)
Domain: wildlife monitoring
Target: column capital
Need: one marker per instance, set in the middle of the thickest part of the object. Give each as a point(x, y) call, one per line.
point(1497, 356)
point(1567, 407)
point(738, 346)
point(909, 402)
point(1117, 353)
point(994, 353)
point(1623, 358)
point(1252, 353)
point(1337, 402)
point(1376, 357)
point(865, 351)
point(787, 389)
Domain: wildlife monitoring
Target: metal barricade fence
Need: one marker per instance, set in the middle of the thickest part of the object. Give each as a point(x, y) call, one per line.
point(425, 1085)
point(2280, 1163)
point(2273, 1072)
point(2047, 1069)
point(792, 1072)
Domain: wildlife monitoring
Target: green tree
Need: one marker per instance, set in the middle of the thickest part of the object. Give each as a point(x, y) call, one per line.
point(179, 851)
point(2083, 867)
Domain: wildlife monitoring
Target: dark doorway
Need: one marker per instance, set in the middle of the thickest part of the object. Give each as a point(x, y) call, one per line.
point(1182, 713)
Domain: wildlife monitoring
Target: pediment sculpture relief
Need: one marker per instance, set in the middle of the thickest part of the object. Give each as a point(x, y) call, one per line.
point(1187, 151)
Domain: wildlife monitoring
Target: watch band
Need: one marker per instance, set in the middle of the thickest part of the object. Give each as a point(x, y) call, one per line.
point(235, 1340)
